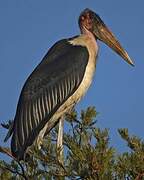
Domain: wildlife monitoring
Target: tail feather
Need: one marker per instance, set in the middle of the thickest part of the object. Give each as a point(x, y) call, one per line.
point(8, 126)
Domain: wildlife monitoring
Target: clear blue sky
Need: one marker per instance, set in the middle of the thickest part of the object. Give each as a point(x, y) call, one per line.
point(29, 28)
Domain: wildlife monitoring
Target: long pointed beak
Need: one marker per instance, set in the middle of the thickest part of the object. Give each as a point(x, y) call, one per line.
point(102, 33)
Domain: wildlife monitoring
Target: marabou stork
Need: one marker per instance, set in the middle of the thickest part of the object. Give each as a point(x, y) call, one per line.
point(59, 82)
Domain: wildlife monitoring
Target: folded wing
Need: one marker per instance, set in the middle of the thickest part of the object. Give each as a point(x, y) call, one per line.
point(53, 81)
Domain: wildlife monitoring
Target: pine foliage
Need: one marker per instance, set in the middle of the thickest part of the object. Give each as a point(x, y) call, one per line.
point(87, 154)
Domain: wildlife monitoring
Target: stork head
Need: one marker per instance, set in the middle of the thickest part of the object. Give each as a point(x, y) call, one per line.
point(90, 21)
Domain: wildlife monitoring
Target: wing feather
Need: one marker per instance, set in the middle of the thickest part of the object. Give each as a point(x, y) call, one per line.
point(29, 117)
point(25, 125)
point(22, 128)
point(54, 80)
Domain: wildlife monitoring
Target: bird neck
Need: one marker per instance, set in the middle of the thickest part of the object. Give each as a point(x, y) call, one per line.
point(86, 32)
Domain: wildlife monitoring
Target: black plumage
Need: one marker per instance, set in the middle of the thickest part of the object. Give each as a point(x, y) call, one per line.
point(52, 82)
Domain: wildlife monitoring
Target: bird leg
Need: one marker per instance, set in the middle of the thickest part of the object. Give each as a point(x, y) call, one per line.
point(60, 141)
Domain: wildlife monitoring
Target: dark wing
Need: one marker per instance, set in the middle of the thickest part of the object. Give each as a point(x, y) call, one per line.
point(53, 81)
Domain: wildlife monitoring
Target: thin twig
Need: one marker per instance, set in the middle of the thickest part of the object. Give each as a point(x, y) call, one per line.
point(22, 169)
point(73, 129)
point(6, 151)
point(80, 133)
